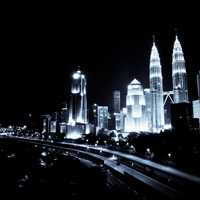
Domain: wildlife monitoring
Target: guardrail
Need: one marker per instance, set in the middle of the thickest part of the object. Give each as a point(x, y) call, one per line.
point(171, 182)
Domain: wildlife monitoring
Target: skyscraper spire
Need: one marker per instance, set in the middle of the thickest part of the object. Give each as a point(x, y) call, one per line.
point(179, 75)
point(156, 89)
point(154, 39)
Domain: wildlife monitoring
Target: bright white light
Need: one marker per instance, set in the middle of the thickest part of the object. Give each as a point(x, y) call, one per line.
point(100, 150)
point(24, 127)
point(154, 53)
point(87, 131)
point(113, 157)
point(44, 153)
point(167, 126)
point(74, 135)
point(179, 71)
point(72, 122)
point(42, 163)
point(76, 75)
point(124, 110)
point(148, 150)
point(169, 155)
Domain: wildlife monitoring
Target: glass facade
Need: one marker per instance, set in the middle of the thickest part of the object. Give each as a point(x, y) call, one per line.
point(179, 76)
point(156, 91)
point(102, 113)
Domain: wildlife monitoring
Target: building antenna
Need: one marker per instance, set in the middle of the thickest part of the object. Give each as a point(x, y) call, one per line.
point(176, 32)
point(154, 38)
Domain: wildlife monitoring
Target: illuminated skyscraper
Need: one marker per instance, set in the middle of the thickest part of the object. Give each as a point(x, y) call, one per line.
point(64, 119)
point(53, 122)
point(46, 123)
point(156, 90)
point(116, 109)
point(116, 101)
point(198, 84)
point(179, 75)
point(196, 103)
point(134, 104)
point(196, 109)
point(102, 114)
point(147, 112)
point(78, 106)
point(94, 114)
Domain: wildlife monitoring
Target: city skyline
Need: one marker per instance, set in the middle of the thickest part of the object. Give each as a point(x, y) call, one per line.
point(100, 101)
point(108, 66)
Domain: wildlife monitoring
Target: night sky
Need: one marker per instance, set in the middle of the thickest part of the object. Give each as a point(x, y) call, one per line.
point(40, 49)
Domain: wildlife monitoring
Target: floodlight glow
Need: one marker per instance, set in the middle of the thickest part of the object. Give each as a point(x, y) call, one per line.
point(73, 135)
point(76, 75)
point(179, 75)
point(167, 126)
point(78, 103)
point(169, 155)
point(44, 153)
point(113, 158)
point(156, 92)
point(135, 103)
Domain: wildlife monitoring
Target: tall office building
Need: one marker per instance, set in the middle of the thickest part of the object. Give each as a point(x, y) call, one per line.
point(77, 120)
point(196, 103)
point(198, 84)
point(116, 101)
point(102, 114)
point(156, 89)
point(46, 123)
point(64, 114)
point(64, 119)
point(78, 104)
point(196, 109)
point(181, 118)
point(135, 103)
point(179, 75)
point(147, 112)
point(53, 122)
point(94, 114)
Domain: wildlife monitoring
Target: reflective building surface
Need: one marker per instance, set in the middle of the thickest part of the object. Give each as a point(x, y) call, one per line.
point(102, 113)
point(196, 109)
point(78, 106)
point(198, 84)
point(156, 89)
point(116, 101)
point(179, 75)
point(147, 110)
point(135, 103)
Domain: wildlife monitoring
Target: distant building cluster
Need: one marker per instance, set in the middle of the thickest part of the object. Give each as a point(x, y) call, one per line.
point(145, 107)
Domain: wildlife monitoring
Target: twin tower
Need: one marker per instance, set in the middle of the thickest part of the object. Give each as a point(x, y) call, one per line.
point(179, 80)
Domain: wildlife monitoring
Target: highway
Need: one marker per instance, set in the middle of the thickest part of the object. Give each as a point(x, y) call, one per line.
point(135, 173)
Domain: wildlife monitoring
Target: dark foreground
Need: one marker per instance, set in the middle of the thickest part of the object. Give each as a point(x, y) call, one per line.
point(37, 172)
